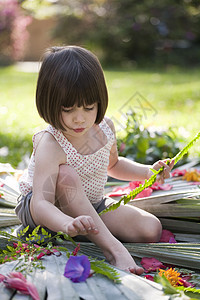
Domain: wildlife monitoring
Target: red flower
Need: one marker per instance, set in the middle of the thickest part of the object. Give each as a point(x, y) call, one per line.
point(185, 283)
point(151, 264)
point(149, 277)
point(48, 252)
point(40, 255)
point(76, 250)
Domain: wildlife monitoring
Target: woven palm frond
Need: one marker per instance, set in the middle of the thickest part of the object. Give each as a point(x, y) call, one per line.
point(182, 254)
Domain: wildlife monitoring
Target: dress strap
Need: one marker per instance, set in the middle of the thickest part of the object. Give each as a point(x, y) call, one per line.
point(107, 130)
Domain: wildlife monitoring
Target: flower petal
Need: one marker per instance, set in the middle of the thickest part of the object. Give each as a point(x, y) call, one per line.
point(17, 284)
point(32, 291)
point(149, 277)
point(151, 264)
point(77, 268)
point(166, 235)
point(76, 250)
point(40, 255)
point(172, 240)
point(2, 277)
point(17, 275)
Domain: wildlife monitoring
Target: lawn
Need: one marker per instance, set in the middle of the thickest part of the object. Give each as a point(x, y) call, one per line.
point(161, 98)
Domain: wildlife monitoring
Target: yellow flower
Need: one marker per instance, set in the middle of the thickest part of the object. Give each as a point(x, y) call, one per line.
point(172, 276)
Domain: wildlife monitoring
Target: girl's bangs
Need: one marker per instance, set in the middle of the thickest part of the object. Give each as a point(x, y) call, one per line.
point(83, 92)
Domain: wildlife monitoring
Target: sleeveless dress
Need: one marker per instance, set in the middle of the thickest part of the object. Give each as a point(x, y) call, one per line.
point(91, 168)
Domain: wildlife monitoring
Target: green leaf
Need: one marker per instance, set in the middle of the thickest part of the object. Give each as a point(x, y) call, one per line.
point(11, 249)
point(190, 290)
point(35, 231)
point(66, 237)
point(151, 180)
point(44, 232)
point(105, 269)
point(167, 287)
point(24, 231)
point(186, 148)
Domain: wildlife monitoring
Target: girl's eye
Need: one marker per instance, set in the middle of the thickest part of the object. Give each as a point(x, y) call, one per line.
point(89, 108)
point(66, 110)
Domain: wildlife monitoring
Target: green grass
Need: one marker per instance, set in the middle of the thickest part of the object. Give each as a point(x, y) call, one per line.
point(168, 98)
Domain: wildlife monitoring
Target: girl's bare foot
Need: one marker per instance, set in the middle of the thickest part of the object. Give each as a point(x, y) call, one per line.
point(122, 259)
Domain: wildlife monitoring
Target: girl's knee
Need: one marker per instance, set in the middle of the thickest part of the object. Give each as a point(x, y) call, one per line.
point(153, 231)
point(67, 176)
point(68, 182)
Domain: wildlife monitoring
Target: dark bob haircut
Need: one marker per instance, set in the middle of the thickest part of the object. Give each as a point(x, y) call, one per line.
point(69, 76)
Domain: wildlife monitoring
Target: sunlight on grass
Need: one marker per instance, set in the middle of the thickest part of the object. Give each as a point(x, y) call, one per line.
point(169, 98)
point(173, 95)
point(18, 112)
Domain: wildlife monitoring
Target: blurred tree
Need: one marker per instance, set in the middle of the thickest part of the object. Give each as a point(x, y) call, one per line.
point(131, 30)
point(13, 34)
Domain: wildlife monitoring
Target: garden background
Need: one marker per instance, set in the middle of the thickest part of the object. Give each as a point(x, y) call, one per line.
point(150, 53)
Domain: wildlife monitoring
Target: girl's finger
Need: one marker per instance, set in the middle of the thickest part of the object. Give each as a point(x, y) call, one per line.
point(92, 226)
point(79, 226)
point(71, 230)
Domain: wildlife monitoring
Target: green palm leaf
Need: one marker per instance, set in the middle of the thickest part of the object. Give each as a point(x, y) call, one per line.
point(151, 180)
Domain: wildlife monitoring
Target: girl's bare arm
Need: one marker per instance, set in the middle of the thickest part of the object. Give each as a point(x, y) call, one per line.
point(126, 169)
point(48, 157)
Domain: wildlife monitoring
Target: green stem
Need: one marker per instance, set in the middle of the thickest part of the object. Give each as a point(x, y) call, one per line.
point(152, 179)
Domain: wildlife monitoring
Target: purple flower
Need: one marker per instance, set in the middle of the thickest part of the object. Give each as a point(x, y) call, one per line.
point(77, 268)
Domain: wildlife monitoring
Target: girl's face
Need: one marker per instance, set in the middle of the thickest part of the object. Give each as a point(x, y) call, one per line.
point(78, 120)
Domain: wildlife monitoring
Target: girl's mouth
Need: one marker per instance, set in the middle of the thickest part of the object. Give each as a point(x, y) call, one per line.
point(79, 130)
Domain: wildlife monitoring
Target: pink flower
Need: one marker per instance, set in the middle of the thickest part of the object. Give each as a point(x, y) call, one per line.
point(178, 172)
point(17, 275)
point(17, 281)
point(166, 236)
point(151, 264)
point(157, 186)
point(119, 191)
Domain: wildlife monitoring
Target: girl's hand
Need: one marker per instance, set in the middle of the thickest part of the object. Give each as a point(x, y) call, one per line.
point(81, 225)
point(166, 171)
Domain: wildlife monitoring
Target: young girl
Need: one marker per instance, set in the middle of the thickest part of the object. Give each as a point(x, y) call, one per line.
point(63, 188)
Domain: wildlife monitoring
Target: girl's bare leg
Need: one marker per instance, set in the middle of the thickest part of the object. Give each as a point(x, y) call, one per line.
point(71, 199)
point(132, 224)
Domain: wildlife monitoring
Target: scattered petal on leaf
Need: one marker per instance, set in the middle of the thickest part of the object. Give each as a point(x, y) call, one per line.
point(172, 240)
point(149, 277)
point(17, 275)
point(17, 281)
point(151, 264)
point(166, 235)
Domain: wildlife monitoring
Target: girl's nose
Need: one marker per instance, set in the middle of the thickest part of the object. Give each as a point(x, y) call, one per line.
point(79, 118)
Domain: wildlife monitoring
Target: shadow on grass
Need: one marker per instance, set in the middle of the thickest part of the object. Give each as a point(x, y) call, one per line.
point(14, 148)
